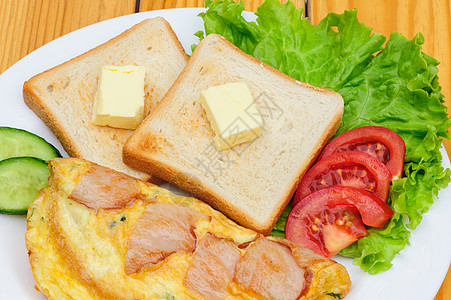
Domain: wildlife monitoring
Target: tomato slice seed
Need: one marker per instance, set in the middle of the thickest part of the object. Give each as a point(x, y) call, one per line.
point(351, 174)
point(379, 142)
point(374, 148)
point(330, 219)
point(329, 231)
point(349, 168)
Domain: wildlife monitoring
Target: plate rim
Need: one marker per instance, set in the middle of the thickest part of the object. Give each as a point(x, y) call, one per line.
point(135, 18)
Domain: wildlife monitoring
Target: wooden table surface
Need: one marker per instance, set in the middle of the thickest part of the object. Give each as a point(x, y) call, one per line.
point(26, 25)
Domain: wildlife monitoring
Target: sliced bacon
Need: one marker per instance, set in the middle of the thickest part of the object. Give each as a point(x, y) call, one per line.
point(304, 256)
point(212, 268)
point(164, 228)
point(101, 187)
point(269, 269)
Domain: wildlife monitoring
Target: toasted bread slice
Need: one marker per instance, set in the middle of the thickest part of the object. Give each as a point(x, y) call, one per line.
point(252, 182)
point(63, 96)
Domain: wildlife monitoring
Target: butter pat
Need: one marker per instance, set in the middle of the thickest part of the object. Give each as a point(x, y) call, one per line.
point(233, 114)
point(119, 101)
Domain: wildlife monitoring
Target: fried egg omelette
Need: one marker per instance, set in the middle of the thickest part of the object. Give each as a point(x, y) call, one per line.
point(94, 233)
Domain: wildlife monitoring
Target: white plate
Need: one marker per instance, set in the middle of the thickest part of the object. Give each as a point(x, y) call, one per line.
point(417, 272)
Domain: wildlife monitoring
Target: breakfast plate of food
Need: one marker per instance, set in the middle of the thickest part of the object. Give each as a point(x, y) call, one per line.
point(65, 254)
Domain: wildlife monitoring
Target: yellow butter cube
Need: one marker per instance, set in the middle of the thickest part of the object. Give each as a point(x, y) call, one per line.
point(119, 101)
point(233, 114)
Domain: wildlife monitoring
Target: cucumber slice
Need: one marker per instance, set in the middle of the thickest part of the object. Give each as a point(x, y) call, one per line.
point(18, 142)
point(21, 178)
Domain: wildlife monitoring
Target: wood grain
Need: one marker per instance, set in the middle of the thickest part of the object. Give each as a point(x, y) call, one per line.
point(25, 25)
point(250, 5)
point(432, 18)
point(146, 5)
point(445, 290)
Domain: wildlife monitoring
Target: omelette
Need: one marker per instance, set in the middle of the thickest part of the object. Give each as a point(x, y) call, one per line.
point(95, 233)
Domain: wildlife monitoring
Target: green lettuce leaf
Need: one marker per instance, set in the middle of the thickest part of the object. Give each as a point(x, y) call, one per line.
point(224, 18)
point(396, 87)
point(316, 54)
point(397, 90)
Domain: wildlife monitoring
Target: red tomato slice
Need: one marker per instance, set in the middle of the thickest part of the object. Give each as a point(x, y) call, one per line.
point(381, 142)
point(348, 168)
point(331, 219)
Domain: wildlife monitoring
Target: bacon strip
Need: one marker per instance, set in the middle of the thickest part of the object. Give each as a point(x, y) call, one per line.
point(212, 268)
point(101, 187)
point(269, 269)
point(164, 228)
